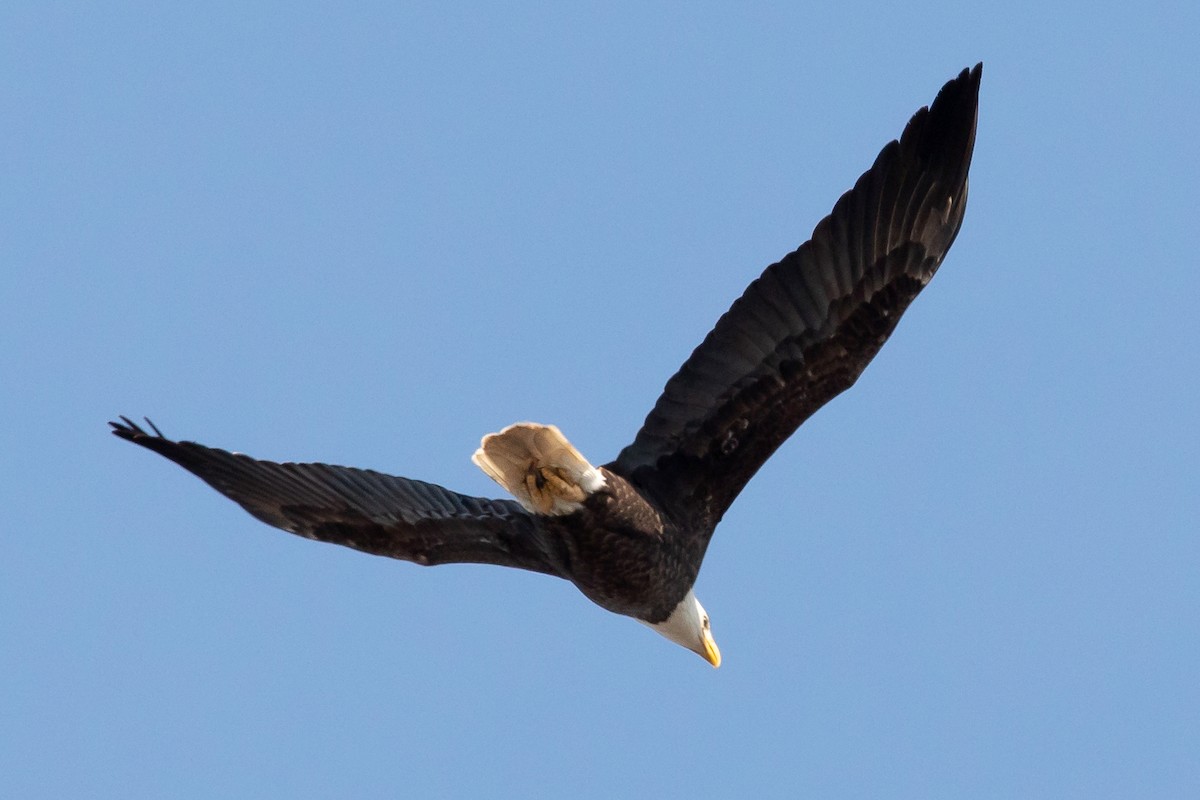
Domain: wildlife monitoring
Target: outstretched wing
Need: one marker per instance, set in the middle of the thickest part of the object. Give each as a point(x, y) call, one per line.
point(804, 331)
point(369, 511)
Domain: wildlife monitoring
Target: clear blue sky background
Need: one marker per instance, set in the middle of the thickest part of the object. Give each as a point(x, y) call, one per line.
point(369, 236)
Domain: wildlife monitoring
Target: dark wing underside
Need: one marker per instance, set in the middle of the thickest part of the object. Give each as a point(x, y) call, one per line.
point(369, 511)
point(804, 331)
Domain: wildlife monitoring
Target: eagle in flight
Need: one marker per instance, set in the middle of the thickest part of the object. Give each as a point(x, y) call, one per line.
point(631, 534)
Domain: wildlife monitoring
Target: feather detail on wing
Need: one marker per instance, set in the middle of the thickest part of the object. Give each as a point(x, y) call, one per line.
point(366, 510)
point(804, 331)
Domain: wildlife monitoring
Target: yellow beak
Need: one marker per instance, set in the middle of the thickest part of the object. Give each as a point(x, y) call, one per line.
point(711, 653)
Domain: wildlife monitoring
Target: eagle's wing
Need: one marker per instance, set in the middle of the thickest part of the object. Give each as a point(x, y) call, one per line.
point(804, 331)
point(369, 511)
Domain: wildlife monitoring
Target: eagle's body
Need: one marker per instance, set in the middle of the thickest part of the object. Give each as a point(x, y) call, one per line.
point(626, 555)
point(632, 534)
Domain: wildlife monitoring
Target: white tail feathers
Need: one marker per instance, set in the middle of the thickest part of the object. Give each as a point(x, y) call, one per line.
point(539, 467)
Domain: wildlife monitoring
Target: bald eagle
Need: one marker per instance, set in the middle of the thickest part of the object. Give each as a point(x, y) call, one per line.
point(631, 534)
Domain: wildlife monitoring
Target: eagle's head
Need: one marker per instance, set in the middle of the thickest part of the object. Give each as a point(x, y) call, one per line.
point(689, 627)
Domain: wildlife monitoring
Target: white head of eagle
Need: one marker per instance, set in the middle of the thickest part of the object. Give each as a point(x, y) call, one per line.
point(689, 627)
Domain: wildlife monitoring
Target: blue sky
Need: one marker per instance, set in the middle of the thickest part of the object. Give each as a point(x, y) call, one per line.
point(370, 235)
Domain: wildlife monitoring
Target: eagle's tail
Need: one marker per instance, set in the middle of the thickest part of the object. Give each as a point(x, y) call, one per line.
point(539, 467)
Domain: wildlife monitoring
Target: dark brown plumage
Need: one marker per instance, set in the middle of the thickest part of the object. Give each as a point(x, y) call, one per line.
point(800, 334)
